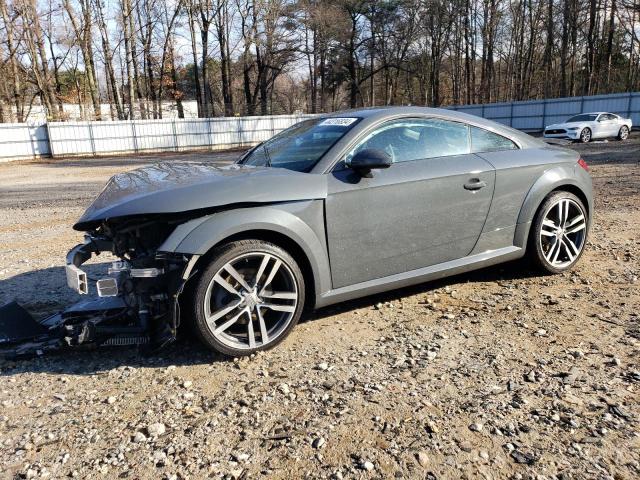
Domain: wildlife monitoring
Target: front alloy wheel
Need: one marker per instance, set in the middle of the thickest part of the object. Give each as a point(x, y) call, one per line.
point(585, 135)
point(560, 232)
point(249, 298)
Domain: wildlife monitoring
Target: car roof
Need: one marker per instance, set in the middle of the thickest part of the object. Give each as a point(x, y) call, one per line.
point(376, 114)
point(592, 113)
point(372, 117)
point(392, 111)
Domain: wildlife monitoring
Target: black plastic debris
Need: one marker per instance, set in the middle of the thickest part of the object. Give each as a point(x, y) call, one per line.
point(17, 325)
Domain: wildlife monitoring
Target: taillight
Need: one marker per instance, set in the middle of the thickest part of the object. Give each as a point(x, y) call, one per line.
point(583, 164)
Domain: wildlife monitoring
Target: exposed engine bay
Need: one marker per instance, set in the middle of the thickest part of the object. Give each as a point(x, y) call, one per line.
point(134, 303)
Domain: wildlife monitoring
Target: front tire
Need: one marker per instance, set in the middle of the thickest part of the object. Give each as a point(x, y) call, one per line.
point(558, 233)
point(623, 134)
point(585, 135)
point(249, 298)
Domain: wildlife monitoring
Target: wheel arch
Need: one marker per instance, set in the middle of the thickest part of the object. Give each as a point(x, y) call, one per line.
point(282, 228)
point(281, 240)
point(572, 179)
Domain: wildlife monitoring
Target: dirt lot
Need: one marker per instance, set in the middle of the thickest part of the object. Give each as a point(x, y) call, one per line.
point(497, 374)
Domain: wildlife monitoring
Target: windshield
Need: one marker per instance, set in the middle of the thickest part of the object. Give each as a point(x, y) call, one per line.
point(587, 117)
point(300, 147)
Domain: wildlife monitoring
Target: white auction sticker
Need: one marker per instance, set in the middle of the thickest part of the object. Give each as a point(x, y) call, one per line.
point(342, 122)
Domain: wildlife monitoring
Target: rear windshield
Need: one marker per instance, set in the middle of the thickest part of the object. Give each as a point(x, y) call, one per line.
point(300, 147)
point(585, 117)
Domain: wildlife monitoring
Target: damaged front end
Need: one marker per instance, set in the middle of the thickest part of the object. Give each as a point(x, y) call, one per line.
point(134, 303)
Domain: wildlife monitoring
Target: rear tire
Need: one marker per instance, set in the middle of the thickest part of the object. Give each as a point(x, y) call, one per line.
point(585, 135)
point(558, 233)
point(248, 298)
point(623, 134)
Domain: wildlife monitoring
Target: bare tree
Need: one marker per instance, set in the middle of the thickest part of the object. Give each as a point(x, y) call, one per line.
point(270, 56)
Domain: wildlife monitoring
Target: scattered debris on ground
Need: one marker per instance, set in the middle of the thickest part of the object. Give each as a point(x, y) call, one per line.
point(500, 373)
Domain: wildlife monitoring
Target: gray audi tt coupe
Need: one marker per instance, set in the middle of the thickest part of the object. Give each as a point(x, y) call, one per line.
point(336, 207)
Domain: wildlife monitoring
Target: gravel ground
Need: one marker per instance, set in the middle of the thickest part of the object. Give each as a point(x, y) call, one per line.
point(501, 373)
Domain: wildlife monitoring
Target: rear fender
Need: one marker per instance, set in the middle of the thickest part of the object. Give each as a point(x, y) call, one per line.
point(301, 222)
point(555, 178)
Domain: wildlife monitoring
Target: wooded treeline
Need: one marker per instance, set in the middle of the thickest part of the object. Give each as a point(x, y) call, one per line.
point(239, 57)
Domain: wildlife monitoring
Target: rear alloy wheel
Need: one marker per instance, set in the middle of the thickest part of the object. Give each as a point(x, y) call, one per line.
point(585, 135)
point(249, 298)
point(623, 134)
point(559, 233)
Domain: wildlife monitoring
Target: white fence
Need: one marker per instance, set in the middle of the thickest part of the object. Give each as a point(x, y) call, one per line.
point(58, 139)
point(21, 140)
point(63, 139)
point(173, 135)
point(534, 115)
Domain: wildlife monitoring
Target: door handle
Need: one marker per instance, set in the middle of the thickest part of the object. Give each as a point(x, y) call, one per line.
point(475, 184)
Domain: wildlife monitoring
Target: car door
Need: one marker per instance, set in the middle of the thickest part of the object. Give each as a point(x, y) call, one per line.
point(427, 208)
point(604, 126)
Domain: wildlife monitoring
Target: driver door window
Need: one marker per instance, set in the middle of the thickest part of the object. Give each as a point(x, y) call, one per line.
point(407, 140)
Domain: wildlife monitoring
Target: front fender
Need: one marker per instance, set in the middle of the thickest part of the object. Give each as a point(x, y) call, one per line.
point(301, 222)
point(551, 180)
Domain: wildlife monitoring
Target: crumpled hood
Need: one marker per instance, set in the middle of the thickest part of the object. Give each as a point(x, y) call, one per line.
point(182, 187)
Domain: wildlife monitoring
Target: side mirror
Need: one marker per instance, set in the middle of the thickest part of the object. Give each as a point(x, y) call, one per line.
point(368, 159)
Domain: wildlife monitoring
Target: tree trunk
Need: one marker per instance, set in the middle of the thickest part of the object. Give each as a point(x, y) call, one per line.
point(548, 52)
point(609, 49)
point(112, 83)
point(353, 81)
point(128, 41)
point(196, 69)
point(591, 47)
point(16, 87)
point(222, 25)
point(177, 95)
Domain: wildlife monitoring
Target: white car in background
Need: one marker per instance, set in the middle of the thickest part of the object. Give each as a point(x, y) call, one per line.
point(590, 126)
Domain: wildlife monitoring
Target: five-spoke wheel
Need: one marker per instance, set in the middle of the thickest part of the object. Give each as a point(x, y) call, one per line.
point(585, 135)
point(560, 232)
point(249, 297)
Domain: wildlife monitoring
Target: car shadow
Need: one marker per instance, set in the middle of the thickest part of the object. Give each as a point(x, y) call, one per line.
point(44, 292)
point(513, 270)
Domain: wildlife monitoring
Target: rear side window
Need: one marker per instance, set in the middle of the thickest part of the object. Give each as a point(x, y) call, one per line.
point(486, 141)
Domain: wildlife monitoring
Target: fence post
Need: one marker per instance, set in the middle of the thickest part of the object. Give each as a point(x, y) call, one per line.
point(175, 134)
point(209, 133)
point(544, 114)
point(629, 104)
point(511, 114)
point(240, 134)
point(135, 138)
point(91, 139)
point(49, 139)
point(31, 136)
